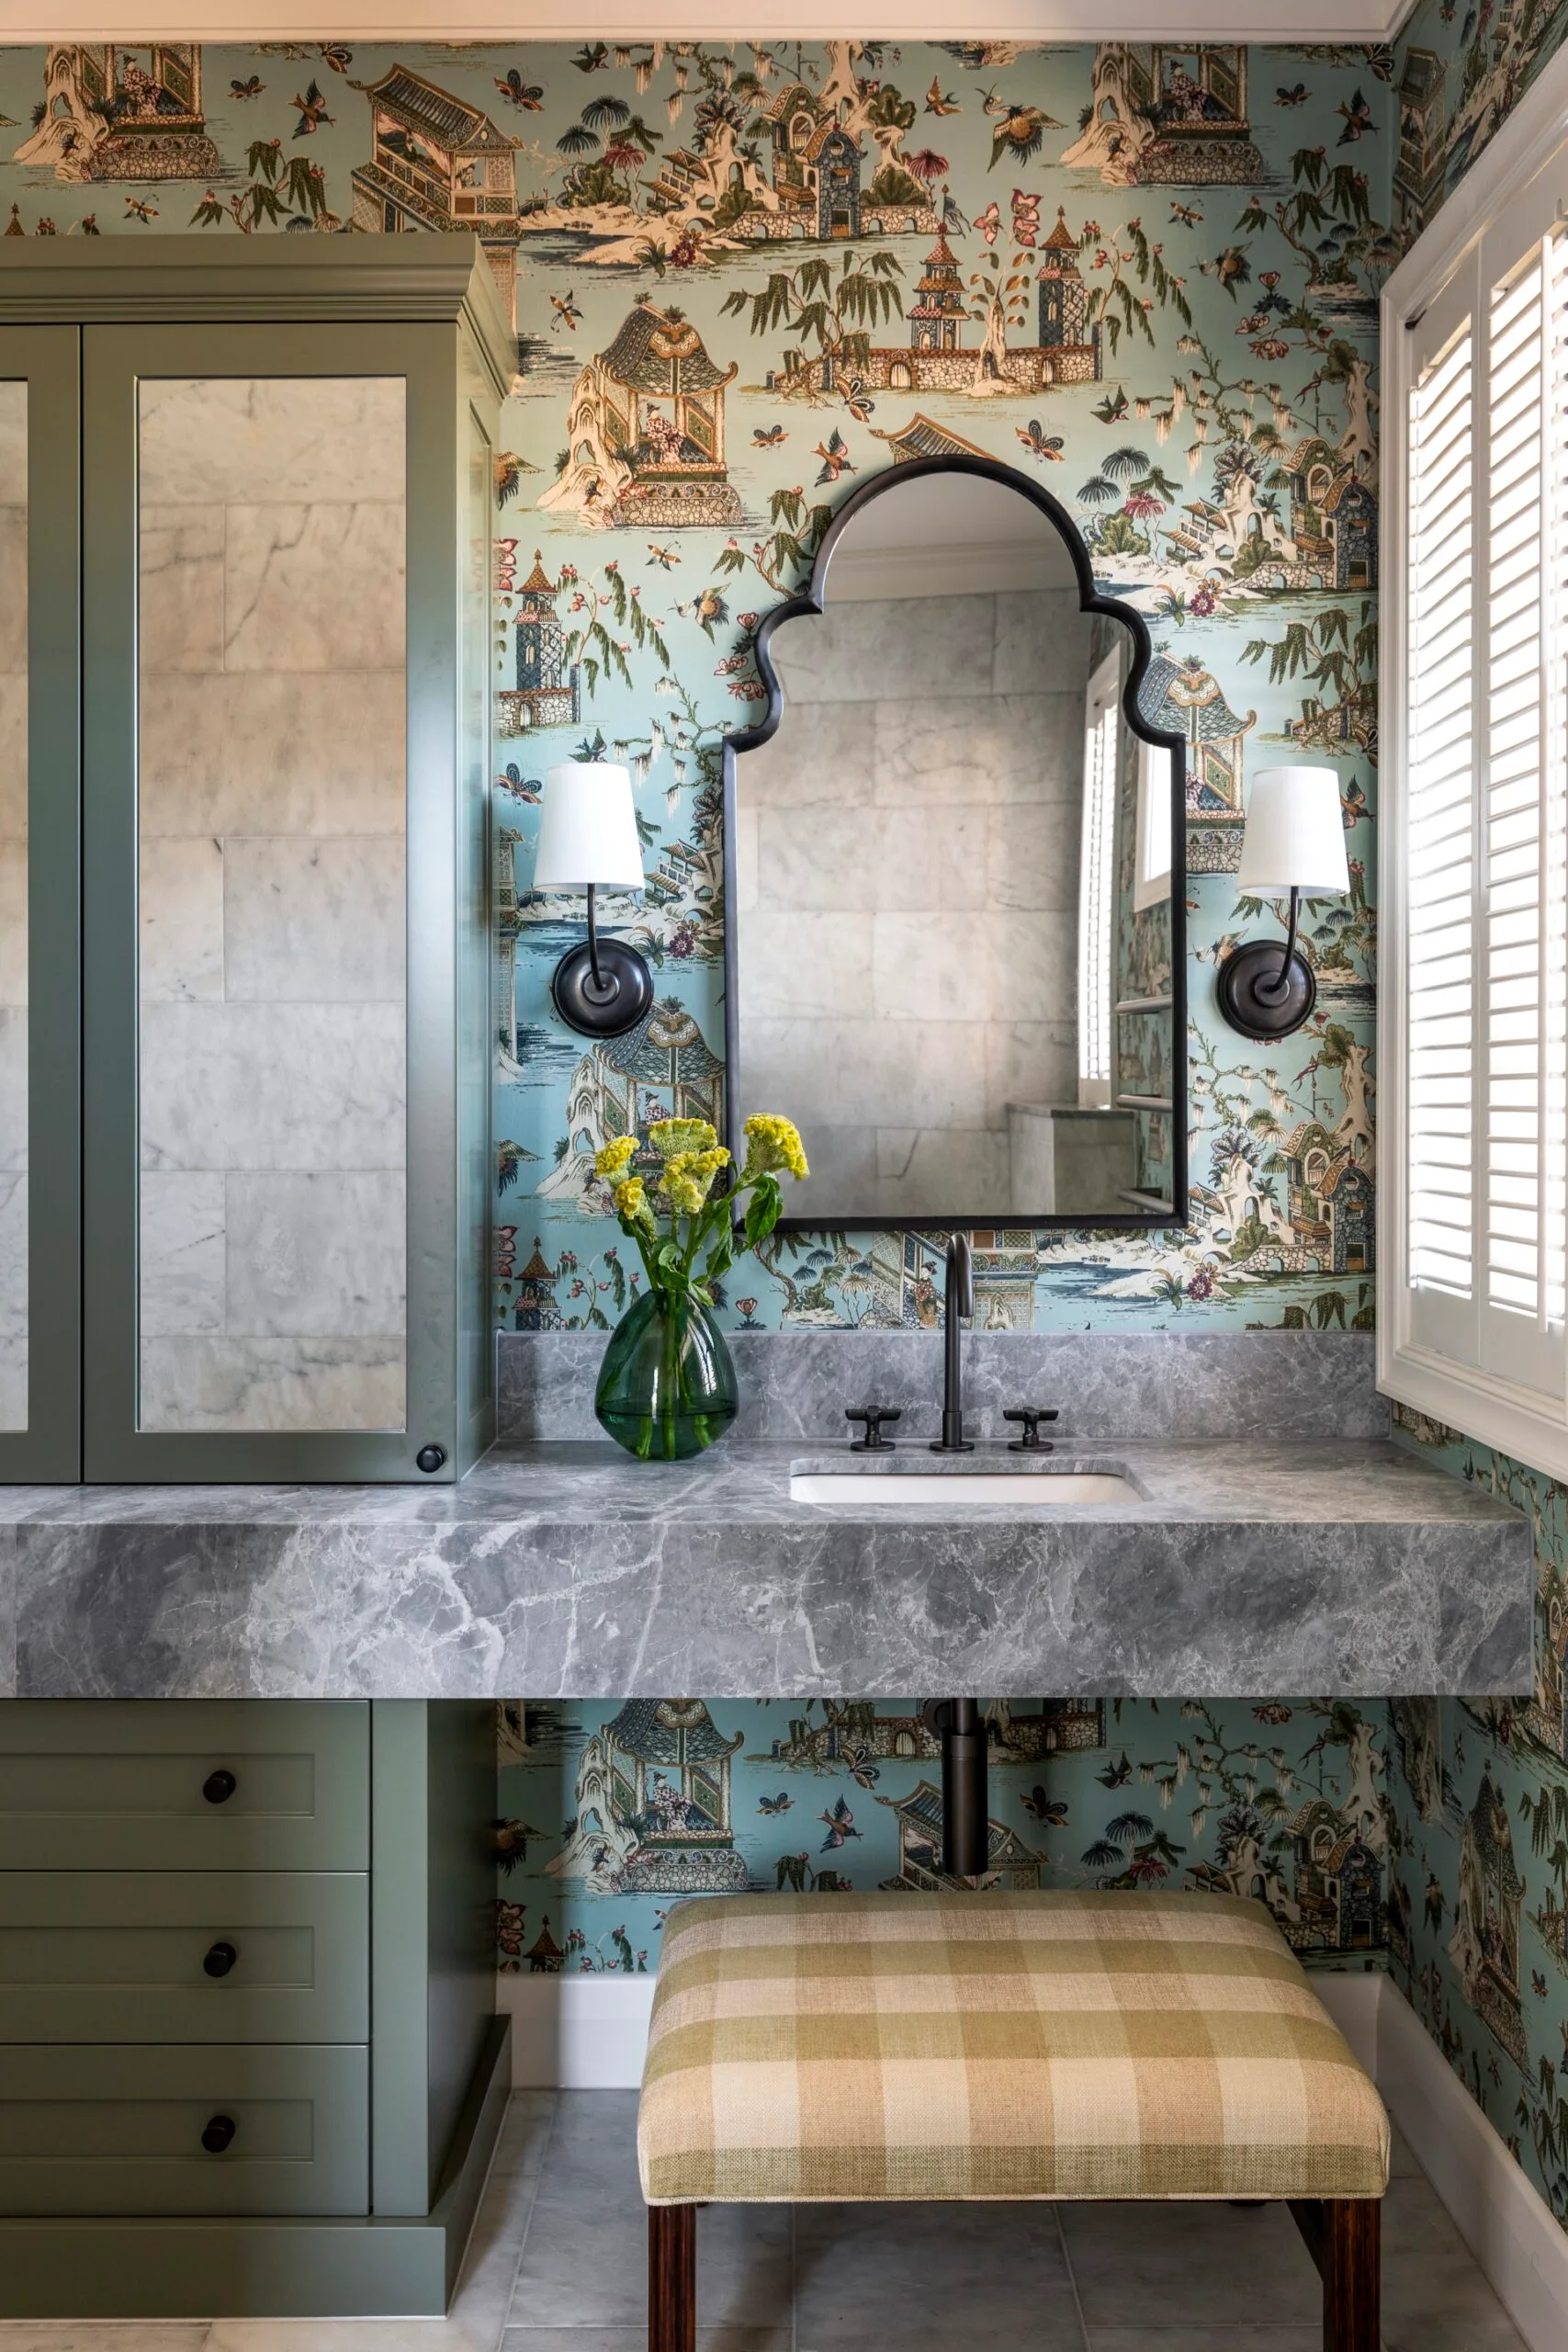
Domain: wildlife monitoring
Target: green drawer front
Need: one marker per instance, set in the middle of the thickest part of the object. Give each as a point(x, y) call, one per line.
point(119, 2131)
point(118, 1956)
point(109, 1784)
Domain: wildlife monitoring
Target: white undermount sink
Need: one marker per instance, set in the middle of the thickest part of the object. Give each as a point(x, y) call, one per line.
point(955, 1491)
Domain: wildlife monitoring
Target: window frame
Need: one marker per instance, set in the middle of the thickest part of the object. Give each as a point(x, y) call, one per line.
point(1514, 195)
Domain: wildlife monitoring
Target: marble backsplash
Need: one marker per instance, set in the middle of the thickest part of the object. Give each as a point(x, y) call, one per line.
point(1294, 1386)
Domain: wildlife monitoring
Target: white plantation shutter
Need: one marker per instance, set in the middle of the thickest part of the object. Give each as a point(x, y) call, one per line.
point(1477, 841)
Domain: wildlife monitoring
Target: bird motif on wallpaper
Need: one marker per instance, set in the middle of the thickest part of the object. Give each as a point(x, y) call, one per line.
point(940, 101)
point(1021, 130)
point(706, 609)
point(1112, 408)
point(1358, 117)
point(312, 111)
point(1117, 1775)
point(840, 1827)
point(528, 96)
point(591, 58)
point(835, 456)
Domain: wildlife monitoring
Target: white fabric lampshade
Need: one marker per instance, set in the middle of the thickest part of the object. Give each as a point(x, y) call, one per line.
point(1295, 833)
point(588, 829)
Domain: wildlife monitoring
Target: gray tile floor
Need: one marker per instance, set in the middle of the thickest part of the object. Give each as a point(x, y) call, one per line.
point(559, 2258)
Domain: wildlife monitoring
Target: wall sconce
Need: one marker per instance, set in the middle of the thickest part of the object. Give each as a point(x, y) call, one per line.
point(1294, 841)
point(588, 840)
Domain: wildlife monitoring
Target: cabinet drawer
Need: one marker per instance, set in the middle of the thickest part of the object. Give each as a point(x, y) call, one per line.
point(109, 1784)
point(107, 2130)
point(187, 1955)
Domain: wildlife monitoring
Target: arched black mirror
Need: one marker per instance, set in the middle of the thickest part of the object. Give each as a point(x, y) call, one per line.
point(953, 915)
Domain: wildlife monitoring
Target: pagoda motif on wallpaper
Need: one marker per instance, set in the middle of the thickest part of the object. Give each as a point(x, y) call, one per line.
point(111, 113)
point(1484, 1946)
point(438, 163)
point(645, 431)
point(1182, 697)
point(663, 1068)
point(1010, 1863)
point(1162, 116)
point(547, 688)
point(654, 1805)
point(1068, 350)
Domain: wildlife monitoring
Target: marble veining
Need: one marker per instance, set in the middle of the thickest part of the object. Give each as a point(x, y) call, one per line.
point(569, 1570)
point(1160, 1386)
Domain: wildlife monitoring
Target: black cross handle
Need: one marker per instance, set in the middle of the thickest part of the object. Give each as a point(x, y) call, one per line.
point(873, 1416)
point(1031, 1415)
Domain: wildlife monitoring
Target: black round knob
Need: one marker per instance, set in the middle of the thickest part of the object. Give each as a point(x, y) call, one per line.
point(219, 1787)
point(220, 1959)
point(217, 2132)
point(430, 1457)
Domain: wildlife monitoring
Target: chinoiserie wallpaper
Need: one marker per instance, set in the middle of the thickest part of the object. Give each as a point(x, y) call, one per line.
point(1163, 263)
point(1157, 270)
point(1478, 1790)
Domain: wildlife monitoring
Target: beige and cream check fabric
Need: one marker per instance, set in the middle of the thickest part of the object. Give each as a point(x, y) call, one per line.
point(996, 2045)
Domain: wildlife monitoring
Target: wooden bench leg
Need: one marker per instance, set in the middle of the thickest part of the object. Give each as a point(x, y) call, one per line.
point(1353, 2274)
point(672, 2278)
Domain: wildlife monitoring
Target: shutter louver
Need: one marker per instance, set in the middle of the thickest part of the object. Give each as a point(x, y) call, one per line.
point(1440, 826)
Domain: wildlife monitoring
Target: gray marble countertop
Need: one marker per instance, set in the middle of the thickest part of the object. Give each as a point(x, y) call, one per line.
point(566, 1569)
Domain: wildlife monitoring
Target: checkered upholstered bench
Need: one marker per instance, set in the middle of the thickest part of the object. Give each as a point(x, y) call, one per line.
point(859, 2047)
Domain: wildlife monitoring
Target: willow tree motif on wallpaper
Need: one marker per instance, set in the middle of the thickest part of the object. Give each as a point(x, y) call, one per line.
point(743, 279)
point(610, 1814)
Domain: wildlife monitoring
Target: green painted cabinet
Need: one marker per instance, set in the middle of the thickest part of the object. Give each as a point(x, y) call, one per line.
point(248, 2055)
point(193, 1956)
point(246, 503)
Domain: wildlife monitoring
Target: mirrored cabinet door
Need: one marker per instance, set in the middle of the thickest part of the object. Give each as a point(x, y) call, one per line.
point(271, 804)
point(40, 1140)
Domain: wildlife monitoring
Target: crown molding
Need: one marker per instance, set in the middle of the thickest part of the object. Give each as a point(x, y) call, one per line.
point(512, 22)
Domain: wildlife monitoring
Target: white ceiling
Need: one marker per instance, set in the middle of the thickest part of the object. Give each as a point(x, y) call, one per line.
point(719, 21)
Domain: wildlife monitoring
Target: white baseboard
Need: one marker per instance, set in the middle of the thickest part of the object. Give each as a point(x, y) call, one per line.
point(577, 2033)
point(589, 2033)
point(1506, 2225)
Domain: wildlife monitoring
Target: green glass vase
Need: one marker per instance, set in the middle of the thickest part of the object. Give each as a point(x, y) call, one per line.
point(667, 1387)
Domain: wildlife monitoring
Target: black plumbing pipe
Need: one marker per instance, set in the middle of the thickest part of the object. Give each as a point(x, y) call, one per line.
point(964, 1810)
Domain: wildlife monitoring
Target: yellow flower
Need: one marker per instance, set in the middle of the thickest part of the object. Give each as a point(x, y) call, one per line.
point(681, 1189)
point(613, 1156)
point(771, 1144)
point(671, 1137)
point(632, 1202)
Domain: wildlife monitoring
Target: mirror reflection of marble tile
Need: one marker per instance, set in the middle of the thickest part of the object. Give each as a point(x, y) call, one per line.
point(238, 1384)
point(924, 799)
point(297, 753)
point(272, 812)
point(14, 933)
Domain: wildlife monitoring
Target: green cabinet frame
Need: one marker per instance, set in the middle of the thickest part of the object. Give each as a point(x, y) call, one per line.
point(50, 1448)
point(424, 310)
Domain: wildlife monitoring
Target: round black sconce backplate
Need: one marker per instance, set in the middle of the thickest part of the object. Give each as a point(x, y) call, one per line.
point(618, 1004)
point(1245, 984)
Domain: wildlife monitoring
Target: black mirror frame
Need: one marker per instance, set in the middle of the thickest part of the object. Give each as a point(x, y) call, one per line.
point(811, 601)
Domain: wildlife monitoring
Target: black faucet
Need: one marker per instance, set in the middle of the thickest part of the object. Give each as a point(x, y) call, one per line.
point(960, 1302)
